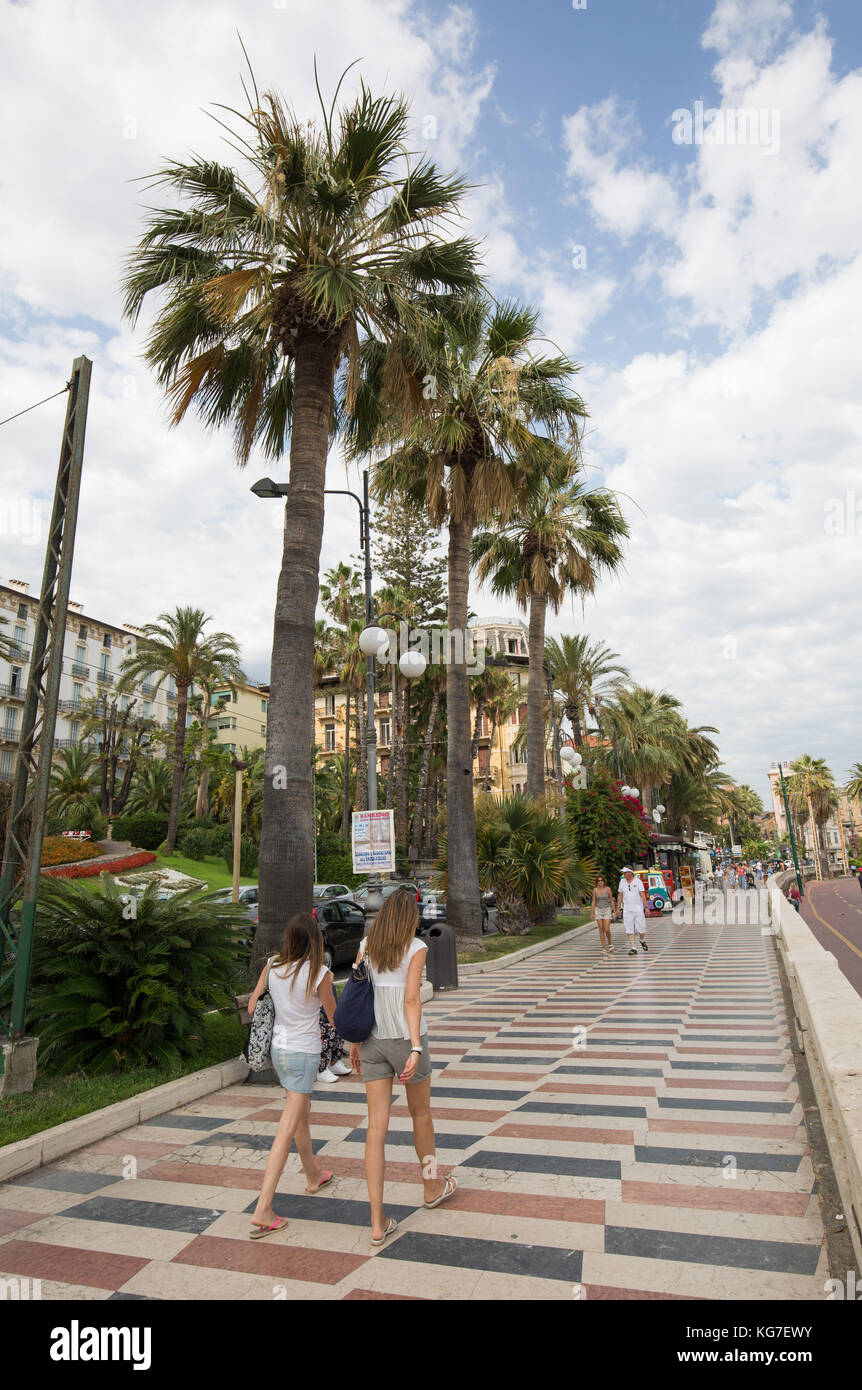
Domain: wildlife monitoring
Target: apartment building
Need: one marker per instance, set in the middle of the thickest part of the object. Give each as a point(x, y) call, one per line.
point(93, 651)
point(239, 716)
point(500, 768)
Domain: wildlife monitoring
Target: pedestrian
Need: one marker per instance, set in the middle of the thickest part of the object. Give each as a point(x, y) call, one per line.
point(298, 983)
point(860, 878)
point(332, 1050)
point(397, 1049)
point(602, 908)
point(794, 895)
point(630, 902)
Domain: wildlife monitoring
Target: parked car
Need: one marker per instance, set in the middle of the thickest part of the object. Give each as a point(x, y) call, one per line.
point(331, 890)
point(360, 895)
point(432, 907)
point(249, 898)
point(342, 923)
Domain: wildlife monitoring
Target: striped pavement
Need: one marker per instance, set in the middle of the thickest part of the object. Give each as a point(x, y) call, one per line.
point(620, 1129)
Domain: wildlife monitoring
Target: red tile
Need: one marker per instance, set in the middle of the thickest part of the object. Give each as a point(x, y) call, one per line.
point(369, 1294)
point(753, 1051)
point(277, 1261)
point(536, 1206)
point(206, 1174)
point(14, 1220)
point(452, 1112)
point(727, 1198)
point(754, 1131)
point(93, 1268)
point(499, 1074)
point(594, 1089)
point(599, 1292)
point(565, 1134)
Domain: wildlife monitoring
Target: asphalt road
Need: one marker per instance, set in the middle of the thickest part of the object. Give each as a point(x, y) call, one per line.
point(833, 911)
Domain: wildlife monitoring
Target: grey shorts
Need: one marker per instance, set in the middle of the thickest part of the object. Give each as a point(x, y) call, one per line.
point(383, 1058)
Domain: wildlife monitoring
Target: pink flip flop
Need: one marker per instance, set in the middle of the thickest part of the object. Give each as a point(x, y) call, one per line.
point(327, 1177)
point(261, 1231)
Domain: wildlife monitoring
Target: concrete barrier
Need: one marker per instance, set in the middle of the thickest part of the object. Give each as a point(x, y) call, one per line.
point(829, 1028)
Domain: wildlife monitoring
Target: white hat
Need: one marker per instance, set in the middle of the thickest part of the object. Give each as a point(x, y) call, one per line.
point(628, 869)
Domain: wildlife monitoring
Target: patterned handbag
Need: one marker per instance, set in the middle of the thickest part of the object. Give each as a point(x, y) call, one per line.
point(257, 1048)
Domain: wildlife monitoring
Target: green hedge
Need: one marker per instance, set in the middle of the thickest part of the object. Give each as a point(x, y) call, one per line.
point(146, 830)
point(197, 843)
point(248, 852)
point(338, 868)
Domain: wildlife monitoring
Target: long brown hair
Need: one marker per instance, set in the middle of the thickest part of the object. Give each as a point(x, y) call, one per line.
point(392, 930)
point(302, 942)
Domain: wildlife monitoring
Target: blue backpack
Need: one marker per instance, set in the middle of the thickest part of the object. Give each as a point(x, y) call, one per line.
point(354, 1012)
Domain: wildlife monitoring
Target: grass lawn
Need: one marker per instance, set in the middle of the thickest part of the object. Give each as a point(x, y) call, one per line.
point(55, 1099)
point(213, 869)
point(504, 945)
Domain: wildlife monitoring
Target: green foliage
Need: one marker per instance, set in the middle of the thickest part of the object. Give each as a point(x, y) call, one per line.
point(606, 827)
point(248, 851)
point(146, 830)
point(337, 868)
point(197, 843)
point(757, 849)
point(119, 983)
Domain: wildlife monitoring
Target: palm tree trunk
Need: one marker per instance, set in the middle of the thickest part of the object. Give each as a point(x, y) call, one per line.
point(286, 861)
point(362, 753)
point(536, 698)
point(574, 713)
point(177, 787)
point(345, 812)
point(202, 798)
point(464, 902)
point(429, 847)
point(422, 790)
point(402, 773)
point(818, 868)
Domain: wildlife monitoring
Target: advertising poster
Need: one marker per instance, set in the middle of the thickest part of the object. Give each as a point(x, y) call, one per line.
point(373, 838)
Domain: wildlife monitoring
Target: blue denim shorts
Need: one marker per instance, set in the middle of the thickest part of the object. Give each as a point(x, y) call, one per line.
point(297, 1071)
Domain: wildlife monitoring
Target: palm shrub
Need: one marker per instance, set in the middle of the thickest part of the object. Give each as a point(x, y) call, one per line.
point(119, 983)
point(248, 852)
point(527, 858)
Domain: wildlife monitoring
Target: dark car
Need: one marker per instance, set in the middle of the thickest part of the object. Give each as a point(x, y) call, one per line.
point(342, 924)
point(432, 907)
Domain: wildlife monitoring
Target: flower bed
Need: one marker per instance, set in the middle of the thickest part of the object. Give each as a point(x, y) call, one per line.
point(61, 849)
point(131, 861)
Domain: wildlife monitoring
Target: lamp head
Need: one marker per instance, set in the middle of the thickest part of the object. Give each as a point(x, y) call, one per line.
point(373, 640)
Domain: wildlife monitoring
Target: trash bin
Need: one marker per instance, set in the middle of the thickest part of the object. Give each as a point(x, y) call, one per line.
point(442, 964)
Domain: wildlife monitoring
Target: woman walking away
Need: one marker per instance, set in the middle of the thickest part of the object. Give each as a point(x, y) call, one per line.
point(397, 1047)
point(602, 908)
point(299, 983)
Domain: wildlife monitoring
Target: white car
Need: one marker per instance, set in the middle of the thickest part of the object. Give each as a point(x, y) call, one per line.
point(332, 890)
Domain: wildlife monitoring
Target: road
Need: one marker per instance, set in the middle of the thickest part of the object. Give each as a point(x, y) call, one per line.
point(833, 911)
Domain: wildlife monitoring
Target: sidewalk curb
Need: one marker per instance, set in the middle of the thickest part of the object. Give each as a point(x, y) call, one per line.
point(60, 1140)
point(480, 967)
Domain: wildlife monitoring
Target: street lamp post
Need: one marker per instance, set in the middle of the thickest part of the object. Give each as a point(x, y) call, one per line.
point(239, 769)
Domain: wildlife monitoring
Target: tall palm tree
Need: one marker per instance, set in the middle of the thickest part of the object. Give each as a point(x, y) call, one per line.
point(853, 787)
point(563, 540)
point(652, 738)
point(583, 672)
point(268, 279)
point(811, 787)
point(177, 646)
point(462, 406)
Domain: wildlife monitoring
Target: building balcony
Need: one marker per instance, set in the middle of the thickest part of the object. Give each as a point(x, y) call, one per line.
point(12, 692)
point(172, 697)
point(66, 742)
point(9, 733)
point(69, 706)
point(104, 678)
point(17, 652)
point(148, 689)
point(79, 670)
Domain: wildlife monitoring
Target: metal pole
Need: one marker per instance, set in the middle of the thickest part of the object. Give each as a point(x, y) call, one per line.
point(32, 783)
point(237, 824)
point(370, 661)
point(799, 883)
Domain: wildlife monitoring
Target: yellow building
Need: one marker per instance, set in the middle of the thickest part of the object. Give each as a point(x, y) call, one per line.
point(499, 769)
point(238, 717)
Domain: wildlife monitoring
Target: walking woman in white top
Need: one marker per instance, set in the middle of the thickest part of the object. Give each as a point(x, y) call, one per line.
point(298, 984)
point(397, 1047)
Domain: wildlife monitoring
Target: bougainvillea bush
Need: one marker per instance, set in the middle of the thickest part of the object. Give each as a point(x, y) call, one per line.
point(606, 826)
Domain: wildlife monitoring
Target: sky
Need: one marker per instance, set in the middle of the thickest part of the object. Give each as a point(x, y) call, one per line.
point(674, 184)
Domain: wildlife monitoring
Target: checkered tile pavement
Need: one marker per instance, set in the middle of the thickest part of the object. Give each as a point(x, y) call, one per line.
point(657, 1153)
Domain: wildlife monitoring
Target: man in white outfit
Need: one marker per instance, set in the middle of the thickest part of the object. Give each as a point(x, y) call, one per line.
point(630, 902)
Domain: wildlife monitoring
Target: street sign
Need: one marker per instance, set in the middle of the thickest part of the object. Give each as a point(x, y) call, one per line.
point(373, 842)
